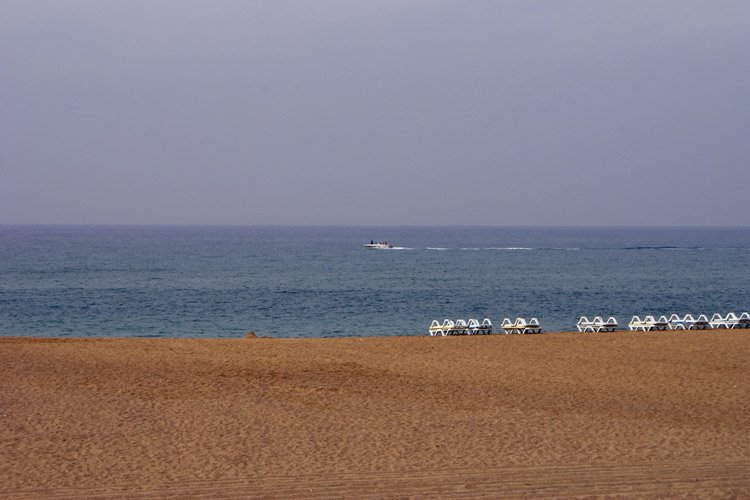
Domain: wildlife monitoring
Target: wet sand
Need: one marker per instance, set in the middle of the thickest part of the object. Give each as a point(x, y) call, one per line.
point(633, 414)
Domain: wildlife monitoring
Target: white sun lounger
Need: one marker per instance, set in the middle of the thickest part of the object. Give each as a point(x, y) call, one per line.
point(597, 324)
point(448, 327)
point(717, 321)
point(648, 323)
point(610, 325)
point(688, 322)
point(701, 323)
point(508, 326)
point(460, 328)
point(473, 327)
point(477, 328)
point(636, 324)
point(436, 328)
point(678, 323)
point(533, 326)
point(600, 325)
point(584, 325)
point(660, 324)
point(521, 326)
point(732, 320)
point(744, 320)
point(486, 326)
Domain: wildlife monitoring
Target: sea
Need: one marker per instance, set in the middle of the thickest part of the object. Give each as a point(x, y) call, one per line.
point(308, 281)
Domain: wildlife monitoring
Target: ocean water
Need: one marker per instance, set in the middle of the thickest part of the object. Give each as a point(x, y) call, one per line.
point(221, 281)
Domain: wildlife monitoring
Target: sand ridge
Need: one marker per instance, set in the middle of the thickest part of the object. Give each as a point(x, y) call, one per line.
point(655, 413)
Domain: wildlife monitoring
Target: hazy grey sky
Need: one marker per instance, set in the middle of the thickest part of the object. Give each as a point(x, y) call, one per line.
point(375, 112)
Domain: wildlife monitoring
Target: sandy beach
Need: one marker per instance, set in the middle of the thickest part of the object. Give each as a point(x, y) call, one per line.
point(631, 414)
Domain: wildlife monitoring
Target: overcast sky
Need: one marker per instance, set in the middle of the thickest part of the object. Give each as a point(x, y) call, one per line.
point(375, 112)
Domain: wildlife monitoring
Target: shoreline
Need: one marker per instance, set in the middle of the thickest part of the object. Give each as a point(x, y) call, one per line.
point(626, 413)
point(254, 336)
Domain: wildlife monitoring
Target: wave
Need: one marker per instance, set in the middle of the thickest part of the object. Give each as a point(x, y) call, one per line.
point(560, 249)
point(511, 248)
point(576, 249)
point(663, 247)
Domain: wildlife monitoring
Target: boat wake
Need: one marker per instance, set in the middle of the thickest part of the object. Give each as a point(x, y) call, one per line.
point(566, 249)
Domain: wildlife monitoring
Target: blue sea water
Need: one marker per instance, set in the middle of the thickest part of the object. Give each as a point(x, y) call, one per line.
point(221, 281)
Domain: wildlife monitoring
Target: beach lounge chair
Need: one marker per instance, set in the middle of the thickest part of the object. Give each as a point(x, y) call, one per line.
point(732, 320)
point(656, 324)
point(460, 327)
point(584, 325)
point(533, 326)
point(660, 324)
point(651, 324)
point(486, 326)
point(701, 323)
point(717, 321)
point(600, 325)
point(610, 325)
point(597, 324)
point(435, 328)
point(473, 328)
point(520, 326)
point(507, 326)
point(677, 323)
point(636, 324)
point(477, 328)
point(688, 322)
point(744, 320)
point(449, 327)
point(443, 329)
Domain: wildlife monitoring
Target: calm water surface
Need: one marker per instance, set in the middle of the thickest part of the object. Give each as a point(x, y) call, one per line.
point(221, 281)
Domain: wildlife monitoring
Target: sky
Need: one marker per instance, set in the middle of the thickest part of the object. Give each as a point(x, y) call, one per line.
point(414, 112)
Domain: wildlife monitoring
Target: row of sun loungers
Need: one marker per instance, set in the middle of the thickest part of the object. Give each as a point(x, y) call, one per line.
point(461, 327)
point(648, 323)
point(688, 322)
point(598, 324)
point(474, 327)
point(730, 321)
point(521, 326)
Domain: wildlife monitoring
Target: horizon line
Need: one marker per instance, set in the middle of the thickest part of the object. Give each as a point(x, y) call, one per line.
point(290, 225)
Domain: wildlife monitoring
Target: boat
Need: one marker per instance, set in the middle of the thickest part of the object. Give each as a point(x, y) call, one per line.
point(382, 245)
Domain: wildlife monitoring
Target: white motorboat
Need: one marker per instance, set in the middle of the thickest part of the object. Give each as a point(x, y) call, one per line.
point(382, 245)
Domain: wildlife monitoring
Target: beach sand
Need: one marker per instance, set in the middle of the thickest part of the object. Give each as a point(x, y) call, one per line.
point(625, 413)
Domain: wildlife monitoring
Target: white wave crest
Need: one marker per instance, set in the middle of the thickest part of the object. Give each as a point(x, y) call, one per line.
point(511, 248)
